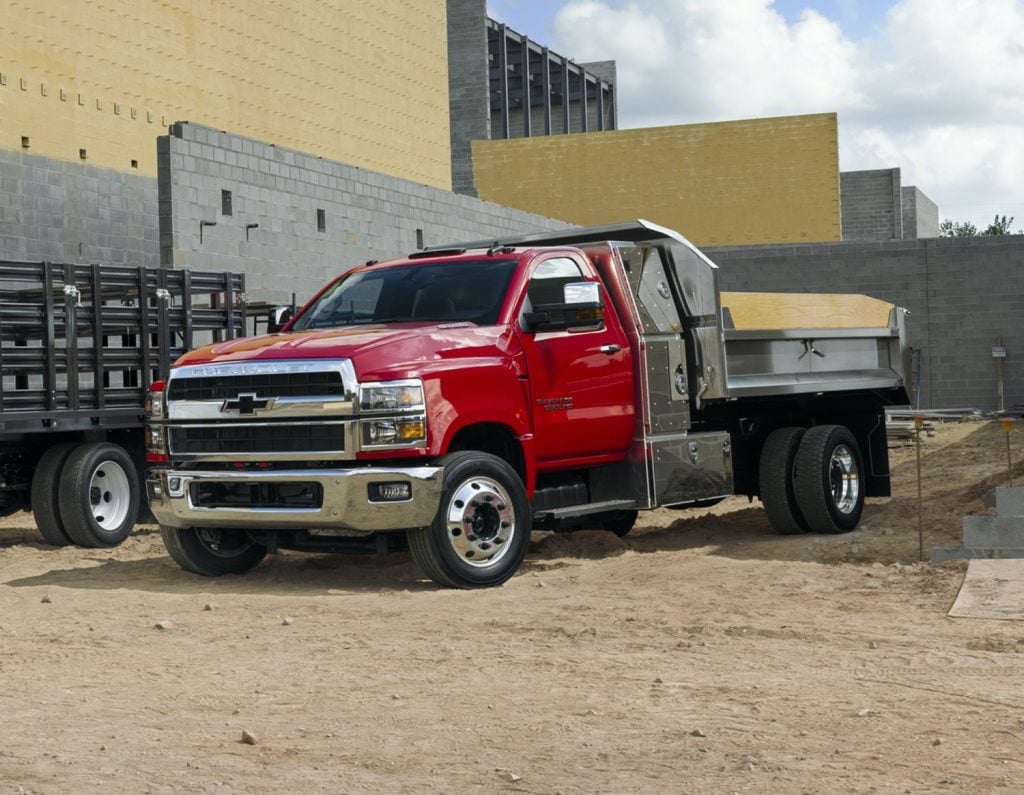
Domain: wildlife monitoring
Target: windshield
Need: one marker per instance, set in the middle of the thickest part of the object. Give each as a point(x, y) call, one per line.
point(446, 292)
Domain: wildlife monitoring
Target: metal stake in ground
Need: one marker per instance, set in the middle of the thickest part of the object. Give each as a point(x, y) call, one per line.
point(918, 424)
point(1007, 423)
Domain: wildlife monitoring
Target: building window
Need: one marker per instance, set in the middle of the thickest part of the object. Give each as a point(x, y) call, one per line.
point(82, 154)
point(24, 142)
point(225, 202)
point(321, 220)
point(419, 238)
point(135, 164)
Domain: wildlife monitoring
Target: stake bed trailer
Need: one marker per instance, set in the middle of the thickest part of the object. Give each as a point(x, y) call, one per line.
point(79, 347)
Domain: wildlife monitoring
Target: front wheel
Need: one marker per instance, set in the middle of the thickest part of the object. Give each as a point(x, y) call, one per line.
point(212, 552)
point(99, 495)
point(479, 537)
point(829, 479)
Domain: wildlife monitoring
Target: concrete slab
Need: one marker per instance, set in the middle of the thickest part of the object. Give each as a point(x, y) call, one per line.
point(942, 554)
point(993, 532)
point(1010, 500)
point(991, 589)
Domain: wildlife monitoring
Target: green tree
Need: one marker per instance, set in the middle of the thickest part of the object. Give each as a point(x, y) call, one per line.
point(957, 229)
point(999, 226)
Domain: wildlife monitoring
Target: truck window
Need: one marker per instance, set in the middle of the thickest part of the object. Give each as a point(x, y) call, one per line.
point(549, 278)
point(440, 292)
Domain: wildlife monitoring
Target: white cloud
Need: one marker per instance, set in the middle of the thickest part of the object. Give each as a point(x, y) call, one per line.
point(938, 91)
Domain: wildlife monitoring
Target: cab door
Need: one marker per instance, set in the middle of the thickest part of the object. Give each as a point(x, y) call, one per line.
point(581, 379)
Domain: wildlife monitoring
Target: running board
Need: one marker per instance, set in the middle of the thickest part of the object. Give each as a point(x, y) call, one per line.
point(585, 509)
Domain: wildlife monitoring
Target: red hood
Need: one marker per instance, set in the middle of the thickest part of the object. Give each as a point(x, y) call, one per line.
point(377, 352)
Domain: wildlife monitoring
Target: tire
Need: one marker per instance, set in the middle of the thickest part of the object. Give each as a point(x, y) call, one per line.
point(45, 494)
point(619, 522)
point(99, 495)
point(775, 479)
point(829, 483)
point(212, 552)
point(479, 537)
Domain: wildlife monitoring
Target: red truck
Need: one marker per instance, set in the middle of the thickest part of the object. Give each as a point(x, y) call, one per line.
point(456, 399)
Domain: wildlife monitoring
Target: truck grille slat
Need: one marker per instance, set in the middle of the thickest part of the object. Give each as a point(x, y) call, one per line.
point(267, 385)
point(254, 439)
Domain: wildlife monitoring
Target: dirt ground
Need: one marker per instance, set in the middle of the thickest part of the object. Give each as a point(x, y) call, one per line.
point(702, 653)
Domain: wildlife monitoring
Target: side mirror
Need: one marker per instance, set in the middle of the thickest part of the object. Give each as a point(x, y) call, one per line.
point(581, 308)
point(277, 318)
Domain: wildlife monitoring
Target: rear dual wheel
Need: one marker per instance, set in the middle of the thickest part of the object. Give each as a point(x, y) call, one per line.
point(85, 494)
point(812, 480)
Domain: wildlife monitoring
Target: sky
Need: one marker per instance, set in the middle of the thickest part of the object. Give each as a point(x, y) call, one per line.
point(932, 87)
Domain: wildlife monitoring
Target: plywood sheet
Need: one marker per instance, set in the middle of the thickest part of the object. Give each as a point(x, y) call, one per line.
point(806, 310)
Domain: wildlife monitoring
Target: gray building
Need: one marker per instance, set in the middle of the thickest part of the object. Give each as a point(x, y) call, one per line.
point(503, 85)
point(875, 206)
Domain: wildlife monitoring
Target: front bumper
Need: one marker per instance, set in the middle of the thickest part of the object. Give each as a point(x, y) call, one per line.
point(342, 499)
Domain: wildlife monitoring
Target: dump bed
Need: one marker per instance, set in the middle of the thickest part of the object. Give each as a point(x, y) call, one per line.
point(789, 343)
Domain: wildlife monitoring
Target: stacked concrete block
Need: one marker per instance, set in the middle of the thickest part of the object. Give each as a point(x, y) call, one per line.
point(992, 537)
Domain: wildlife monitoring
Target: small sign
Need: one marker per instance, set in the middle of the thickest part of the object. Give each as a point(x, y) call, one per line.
point(998, 352)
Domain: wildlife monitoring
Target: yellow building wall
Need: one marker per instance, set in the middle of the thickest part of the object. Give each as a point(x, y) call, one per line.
point(724, 183)
point(360, 81)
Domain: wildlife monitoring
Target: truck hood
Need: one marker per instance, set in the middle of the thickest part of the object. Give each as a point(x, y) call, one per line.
point(377, 352)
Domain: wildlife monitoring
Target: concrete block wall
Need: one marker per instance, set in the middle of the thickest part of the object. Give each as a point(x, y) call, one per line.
point(871, 204)
point(920, 214)
point(468, 87)
point(963, 294)
point(366, 215)
point(64, 211)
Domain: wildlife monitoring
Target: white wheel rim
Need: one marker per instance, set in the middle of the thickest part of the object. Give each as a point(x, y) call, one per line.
point(844, 479)
point(480, 522)
point(110, 495)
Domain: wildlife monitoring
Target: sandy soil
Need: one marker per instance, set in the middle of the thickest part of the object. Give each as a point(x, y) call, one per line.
point(702, 653)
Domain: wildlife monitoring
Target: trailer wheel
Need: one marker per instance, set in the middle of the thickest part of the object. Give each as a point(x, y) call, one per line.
point(478, 538)
point(830, 479)
point(619, 522)
point(99, 495)
point(775, 477)
point(45, 494)
point(212, 552)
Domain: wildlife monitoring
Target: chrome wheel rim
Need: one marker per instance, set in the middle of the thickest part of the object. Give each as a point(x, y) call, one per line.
point(844, 479)
point(110, 495)
point(480, 522)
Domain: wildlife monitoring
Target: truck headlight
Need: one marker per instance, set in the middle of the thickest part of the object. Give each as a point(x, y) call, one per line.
point(155, 401)
point(398, 432)
point(391, 396)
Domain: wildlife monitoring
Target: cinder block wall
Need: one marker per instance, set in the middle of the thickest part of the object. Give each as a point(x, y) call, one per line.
point(920, 214)
point(962, 293)
point(725, 183)
point(872, 204)
point(365, 215)
point(69, 212)
point(468, 87)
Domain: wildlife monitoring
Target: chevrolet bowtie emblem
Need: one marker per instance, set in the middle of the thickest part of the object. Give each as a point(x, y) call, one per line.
point(246, 403)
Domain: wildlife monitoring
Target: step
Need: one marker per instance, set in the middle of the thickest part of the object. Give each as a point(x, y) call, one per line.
point(940, 554)
point(1010, 501)
point(993, 532)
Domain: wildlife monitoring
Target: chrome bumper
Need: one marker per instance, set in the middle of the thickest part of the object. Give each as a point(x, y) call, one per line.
point(346, 503)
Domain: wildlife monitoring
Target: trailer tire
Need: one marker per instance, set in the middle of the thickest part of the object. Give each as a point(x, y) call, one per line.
point(776, 481)
point(479, 537)
point(99, 495)
point(212, 552)
point(45, 494)
point(830, 479)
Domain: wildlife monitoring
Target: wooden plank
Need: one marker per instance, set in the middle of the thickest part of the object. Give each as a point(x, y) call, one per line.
point(806, 310)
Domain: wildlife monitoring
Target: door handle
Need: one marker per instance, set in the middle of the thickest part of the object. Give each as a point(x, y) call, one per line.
point(610, 349)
